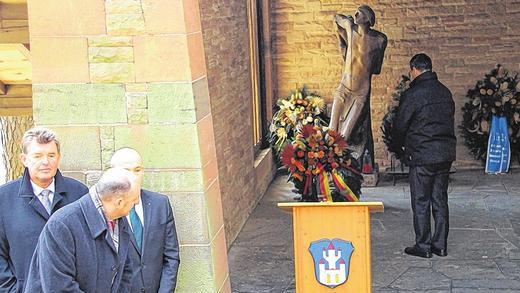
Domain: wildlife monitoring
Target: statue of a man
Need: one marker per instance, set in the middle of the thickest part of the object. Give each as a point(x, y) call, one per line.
point(363, 49)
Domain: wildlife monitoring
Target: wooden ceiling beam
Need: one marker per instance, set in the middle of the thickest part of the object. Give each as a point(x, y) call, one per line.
point(15, 64)
point(17, 91)
point(17, 101)
point(13, 10)
point(16, 111)
point(14, 2)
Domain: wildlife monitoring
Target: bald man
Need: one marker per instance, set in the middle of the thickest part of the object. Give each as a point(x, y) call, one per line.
point(155, 248)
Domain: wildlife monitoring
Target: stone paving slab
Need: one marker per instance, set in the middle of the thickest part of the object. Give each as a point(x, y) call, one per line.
point(414, 278)
point(483, 245)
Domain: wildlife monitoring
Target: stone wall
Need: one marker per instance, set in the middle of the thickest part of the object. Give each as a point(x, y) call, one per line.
point(109, 74)
point(465, 39)
point(226, 42)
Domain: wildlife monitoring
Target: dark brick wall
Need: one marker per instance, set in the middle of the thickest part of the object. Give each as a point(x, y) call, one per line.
point(226, 44)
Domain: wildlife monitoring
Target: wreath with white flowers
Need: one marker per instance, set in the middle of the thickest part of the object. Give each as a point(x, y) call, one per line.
point(497, 94)
point(302, 107)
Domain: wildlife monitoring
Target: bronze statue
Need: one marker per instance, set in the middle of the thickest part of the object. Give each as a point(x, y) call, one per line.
point(363, 49)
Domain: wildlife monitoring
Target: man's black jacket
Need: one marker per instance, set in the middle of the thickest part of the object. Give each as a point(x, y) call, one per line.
point(424, 124)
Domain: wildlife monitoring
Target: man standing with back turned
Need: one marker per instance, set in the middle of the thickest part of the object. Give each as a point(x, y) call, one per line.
point(424, 126)
point(27, 203)
point(155, 249)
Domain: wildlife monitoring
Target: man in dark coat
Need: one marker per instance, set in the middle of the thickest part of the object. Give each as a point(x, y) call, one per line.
point(26, 203)
point(84, 246)
point(155, 248)
point(424, 134)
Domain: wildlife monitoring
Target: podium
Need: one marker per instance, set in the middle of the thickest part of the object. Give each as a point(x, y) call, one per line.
point(332, 245)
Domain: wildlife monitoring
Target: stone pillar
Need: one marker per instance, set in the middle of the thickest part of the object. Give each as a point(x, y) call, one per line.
point(115, 73)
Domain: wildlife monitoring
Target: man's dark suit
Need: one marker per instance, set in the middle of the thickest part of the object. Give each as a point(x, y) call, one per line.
point(155, 267)
point(22, 217)
point(424, 126)
point(75, 253)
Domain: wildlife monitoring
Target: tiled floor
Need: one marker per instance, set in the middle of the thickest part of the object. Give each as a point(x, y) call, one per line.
point(484, 241)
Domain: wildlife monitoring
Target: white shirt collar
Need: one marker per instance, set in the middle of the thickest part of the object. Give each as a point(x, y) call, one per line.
point(139, 211)
point(139, 205)
point(37, 189)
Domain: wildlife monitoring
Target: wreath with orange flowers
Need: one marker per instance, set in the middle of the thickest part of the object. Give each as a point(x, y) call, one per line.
point(320, 165)
point(497, 94)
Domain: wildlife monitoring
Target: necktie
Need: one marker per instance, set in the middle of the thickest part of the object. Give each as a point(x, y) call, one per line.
point(112, 225)
point(46, 200)
point(137, 227)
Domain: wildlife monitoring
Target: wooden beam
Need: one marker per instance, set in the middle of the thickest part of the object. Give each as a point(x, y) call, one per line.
point(13, 10)
point(15, 64)
point(3, 89)
point(17, 101)
point(14, 2)
point(18, 91)
point(14, 35)
point(16, 111)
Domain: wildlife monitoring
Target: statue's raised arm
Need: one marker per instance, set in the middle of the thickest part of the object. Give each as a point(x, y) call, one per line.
point(344, 25)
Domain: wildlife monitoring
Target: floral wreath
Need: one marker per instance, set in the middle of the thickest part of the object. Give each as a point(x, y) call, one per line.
point(300, 108)
point(388, 119)
point(321, 167)
point(497, 94)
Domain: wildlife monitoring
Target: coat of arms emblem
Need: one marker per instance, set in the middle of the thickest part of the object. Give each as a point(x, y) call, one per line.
point(331, 260)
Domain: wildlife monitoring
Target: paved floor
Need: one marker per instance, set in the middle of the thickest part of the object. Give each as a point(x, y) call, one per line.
point(484, 241)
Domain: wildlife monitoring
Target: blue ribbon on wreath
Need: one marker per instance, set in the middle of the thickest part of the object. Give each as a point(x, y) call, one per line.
point(498, 151)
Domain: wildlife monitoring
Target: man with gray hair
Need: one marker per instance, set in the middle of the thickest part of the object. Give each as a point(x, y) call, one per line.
point(27, 203)
point(84, 246)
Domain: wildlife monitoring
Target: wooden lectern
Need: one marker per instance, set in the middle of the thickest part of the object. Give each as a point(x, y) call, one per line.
point(319, 223)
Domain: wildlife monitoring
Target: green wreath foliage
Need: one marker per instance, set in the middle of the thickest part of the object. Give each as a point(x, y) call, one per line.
point(497, 93)
point(388, 119)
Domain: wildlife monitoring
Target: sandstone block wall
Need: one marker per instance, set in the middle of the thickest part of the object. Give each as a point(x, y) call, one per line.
point(465, 38)
point(115, 73)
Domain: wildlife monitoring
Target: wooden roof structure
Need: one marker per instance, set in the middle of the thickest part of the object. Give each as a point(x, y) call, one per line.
point(15, 59)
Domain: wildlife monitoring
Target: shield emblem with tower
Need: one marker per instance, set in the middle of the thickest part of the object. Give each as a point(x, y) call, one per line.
point(331, 261)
